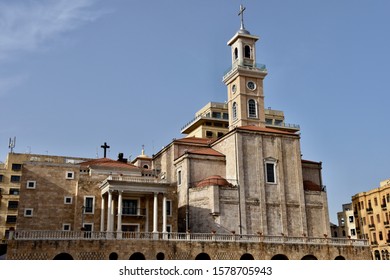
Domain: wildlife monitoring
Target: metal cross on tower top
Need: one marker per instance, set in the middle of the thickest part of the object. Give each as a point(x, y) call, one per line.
point(241, 13)
point(105, 147)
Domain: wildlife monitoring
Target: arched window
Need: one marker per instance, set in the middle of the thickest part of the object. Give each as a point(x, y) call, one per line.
point(235, 53)
point(234, 108)
point(247, 51)
point(252, 108)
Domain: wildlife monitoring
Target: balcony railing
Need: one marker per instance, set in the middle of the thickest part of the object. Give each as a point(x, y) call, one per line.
point(257, 67)
point(137, 179)
point(204, 237)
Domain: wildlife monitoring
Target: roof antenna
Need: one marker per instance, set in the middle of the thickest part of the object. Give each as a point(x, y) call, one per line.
point(12, 143)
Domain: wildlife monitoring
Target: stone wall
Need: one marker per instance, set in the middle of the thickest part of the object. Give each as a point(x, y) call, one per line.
point(182, 250)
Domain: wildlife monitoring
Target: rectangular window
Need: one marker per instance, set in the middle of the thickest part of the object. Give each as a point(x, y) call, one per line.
point(130, 207)
point(225, 116)
point(270, 173)
point(67, 200)
point(13, 204)
point(169, 207)
point(69, 175)
point(353, 232)
point(16, 167)
point(11, 219)
point(351, 219)
point(89, 202)
point(378, 218)
point(88, 226)
point(278, 122)
point(66, 227)
point(15, 179)
point(31, 184)
point(28, 212)
point(179, 177)
point(13, 191)
point(1, 177)
point(375, 201)
point(216, 115)
point(209, 133)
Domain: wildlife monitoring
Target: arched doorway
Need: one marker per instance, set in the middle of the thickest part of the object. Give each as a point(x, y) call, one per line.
point(160, 256)
point(377, 255)
point(202, 256)
point(63, 256)
point(309, 257)
point(339, 258)
point(113, 256)
point(247, 256)
point(279, 257)
point(137, 256)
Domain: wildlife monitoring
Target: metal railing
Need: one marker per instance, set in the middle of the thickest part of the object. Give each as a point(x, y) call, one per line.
point(177, 236)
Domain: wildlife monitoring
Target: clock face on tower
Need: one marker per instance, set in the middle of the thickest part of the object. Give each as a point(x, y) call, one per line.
point(251, 85)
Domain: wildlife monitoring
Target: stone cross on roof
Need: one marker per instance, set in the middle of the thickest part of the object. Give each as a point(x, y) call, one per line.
point(105, 147)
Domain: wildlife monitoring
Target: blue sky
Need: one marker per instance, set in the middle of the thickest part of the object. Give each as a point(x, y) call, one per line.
point(77, 73)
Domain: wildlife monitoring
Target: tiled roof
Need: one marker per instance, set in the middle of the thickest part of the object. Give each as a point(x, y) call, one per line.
point(108, 163)
point(214, 180)
point(206, 151)
point(195, 140)
point(265, 129)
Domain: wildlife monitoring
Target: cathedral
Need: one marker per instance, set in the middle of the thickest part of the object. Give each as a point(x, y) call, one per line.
point(237, 177)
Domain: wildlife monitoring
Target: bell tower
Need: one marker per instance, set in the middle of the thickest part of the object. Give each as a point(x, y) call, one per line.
point(244, 80)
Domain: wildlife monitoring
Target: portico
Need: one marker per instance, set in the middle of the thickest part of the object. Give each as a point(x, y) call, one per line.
point(131, 204)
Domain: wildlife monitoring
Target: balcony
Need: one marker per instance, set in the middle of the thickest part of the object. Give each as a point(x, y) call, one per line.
point(386, 224)
point(369, 210)
point(384, 206)
point(133, 212)
point(287, 126)
point(244, 66)
point(371, 227)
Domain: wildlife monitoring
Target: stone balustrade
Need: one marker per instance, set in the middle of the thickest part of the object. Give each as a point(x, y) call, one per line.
point(175, 236)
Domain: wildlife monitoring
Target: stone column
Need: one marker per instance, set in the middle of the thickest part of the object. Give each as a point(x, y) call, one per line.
point(164, 210)
point(147, 214)
point(102, 216)
point(155, 214)
point(119, 221)
point(109, 205)
point(112, 215)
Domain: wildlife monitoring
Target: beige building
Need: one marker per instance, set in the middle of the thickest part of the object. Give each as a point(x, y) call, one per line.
point(100, 195)
point(346, 223)
point(11, 173)
point(372, 211)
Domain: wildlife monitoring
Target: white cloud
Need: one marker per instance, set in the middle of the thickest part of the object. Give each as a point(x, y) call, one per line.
point(26, 25)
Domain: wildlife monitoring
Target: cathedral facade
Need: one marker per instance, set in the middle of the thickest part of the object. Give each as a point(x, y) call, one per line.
point(236, 178)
